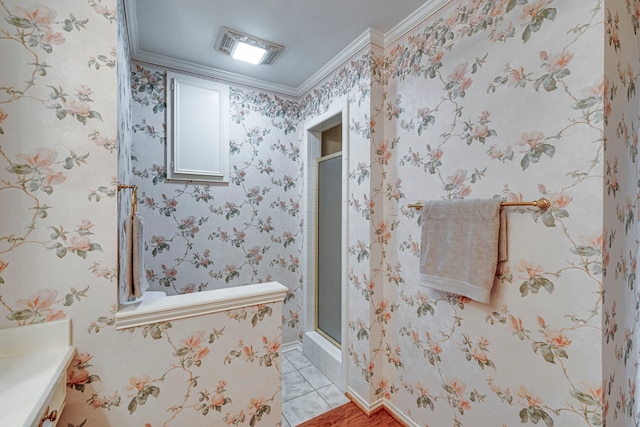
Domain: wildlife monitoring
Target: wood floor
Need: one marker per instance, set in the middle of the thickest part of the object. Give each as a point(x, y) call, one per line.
point(350, 415)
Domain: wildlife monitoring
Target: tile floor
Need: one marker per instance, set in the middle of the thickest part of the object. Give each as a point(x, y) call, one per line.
point(306, 392)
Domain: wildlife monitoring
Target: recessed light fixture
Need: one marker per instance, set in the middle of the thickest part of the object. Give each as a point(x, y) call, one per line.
point(248, 53)
point(247, 48)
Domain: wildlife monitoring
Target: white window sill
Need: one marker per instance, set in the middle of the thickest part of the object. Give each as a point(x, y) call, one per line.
point(157, 307)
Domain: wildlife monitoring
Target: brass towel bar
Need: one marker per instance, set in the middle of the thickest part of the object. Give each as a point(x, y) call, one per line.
point(134, 195)
point(543, 204)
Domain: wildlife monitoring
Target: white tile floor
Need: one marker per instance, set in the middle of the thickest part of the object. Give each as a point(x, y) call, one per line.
point(306, 392)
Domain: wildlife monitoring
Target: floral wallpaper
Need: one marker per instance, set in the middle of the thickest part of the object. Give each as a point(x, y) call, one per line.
point(621, 178)
point(427, 111)
point(60, 131)
point(353, 84)
point(201, 237)
point(515, 99)
point(57, 178)
point(505, 99)
point(197, 375)
point(494, 99)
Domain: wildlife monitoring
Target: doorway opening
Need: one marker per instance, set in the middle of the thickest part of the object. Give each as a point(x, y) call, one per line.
point(325, 340)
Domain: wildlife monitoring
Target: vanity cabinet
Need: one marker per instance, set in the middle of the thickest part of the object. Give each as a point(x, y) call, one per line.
point(33, 367)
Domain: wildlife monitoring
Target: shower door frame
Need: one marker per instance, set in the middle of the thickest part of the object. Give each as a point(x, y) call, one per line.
point(339, 113)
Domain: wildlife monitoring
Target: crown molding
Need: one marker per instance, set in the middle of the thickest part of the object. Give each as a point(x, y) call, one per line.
point(131, 21)
point(215, 73)
point(424, 12)
point(367, 38)
point(375, 37)
point(347, 53)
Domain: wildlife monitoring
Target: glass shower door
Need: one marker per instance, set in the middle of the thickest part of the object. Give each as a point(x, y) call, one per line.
point(329, 250)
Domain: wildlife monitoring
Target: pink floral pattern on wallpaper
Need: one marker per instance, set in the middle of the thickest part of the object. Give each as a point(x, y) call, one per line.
point(253, 229)
point(34, 176)
point(427, 121)
point(58, 258)
point(428, 54)
point(620, 243)
point(197, 377)
point(433, 132)
point(209, 237)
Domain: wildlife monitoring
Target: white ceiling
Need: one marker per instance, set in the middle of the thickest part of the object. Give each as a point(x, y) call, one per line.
point(182, 34)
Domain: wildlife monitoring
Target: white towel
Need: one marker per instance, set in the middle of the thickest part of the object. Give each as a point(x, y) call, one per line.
point(460, 246)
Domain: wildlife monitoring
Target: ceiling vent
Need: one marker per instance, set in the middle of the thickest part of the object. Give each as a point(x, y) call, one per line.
point(229, 41)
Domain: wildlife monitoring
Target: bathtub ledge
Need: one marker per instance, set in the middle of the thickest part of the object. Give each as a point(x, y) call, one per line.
point(157, 307)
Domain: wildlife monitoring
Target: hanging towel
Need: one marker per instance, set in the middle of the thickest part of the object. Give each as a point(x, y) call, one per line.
point(502, 243)
point(139, 282)
point(127, 256)
point(135, 280)
point(461, 245)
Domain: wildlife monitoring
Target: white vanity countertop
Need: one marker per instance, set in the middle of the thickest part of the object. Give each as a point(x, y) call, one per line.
point(27, 381)
point(33, 361)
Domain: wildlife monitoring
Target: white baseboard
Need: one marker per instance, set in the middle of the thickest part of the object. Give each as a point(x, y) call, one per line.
point(359, 400)
point(290, 346)
point(388, 406)
point(398, 414)
point(362, 403)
